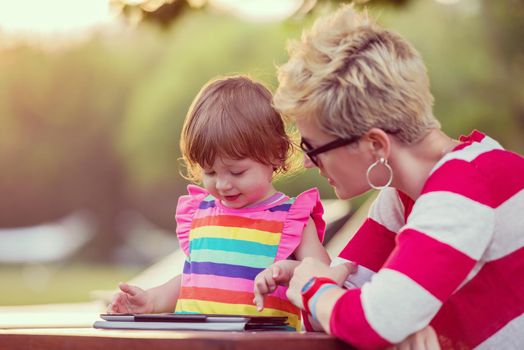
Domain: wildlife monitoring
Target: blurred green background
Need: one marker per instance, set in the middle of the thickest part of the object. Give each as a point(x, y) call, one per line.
point(90, 120)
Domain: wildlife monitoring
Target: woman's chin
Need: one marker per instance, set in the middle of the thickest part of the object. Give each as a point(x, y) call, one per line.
point(341, 194)
point(346, 194)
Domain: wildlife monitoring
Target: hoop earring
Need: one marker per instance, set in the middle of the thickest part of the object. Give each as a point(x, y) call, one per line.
point(383, 162)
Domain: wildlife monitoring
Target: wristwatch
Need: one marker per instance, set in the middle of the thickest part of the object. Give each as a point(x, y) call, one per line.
point(311, 287)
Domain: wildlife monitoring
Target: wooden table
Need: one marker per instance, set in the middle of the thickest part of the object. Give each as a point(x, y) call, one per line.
point(94, 339)
point(69, 326)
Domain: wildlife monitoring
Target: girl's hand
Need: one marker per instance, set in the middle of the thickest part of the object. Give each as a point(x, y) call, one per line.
point(425, 339)
point(313, 268)
point(267, 281)
point(130, 299)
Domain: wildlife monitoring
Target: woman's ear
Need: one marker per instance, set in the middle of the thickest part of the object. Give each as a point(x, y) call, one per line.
point(378, 143)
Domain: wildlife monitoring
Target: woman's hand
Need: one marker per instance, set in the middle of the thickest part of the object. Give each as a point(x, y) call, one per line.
point(425, 339)
point(267, 281)
point(310, 267)
point(130, 299)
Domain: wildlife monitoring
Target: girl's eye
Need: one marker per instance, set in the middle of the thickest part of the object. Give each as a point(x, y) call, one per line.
point(237, 173)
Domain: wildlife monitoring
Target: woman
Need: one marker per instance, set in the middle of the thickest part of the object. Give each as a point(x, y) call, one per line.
point(444, 239)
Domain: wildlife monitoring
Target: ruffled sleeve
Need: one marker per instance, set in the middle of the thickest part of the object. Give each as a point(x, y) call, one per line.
point(306, 205)
point(185, 211)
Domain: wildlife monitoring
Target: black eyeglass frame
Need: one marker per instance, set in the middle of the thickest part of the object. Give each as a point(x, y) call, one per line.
point(313, 153)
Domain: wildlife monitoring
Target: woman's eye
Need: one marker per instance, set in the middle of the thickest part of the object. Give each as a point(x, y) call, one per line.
point(209, 173)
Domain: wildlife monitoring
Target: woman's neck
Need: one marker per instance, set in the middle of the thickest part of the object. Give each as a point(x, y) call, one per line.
point(412, 164)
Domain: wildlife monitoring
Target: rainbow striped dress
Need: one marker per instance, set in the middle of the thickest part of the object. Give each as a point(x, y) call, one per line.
point(226, 248)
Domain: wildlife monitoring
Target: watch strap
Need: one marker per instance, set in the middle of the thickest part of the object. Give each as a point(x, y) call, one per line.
point(314, 284)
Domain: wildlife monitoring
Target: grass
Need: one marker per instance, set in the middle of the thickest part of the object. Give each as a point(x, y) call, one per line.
point(42, 284)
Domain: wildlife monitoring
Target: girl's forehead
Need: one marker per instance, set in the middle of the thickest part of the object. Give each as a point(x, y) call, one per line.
point(221, 161)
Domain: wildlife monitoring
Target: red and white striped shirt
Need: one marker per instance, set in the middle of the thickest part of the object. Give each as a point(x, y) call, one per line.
point(454, 258)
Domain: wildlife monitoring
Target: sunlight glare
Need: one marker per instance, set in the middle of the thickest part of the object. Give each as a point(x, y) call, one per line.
point(259, 10)
point(51, 16)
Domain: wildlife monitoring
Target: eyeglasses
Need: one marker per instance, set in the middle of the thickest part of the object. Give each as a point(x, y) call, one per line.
point(312, 153)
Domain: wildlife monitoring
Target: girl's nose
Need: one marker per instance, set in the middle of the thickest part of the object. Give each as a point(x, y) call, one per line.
point(223, 184)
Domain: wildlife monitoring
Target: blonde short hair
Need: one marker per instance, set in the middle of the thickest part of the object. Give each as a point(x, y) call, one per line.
point(233, 117)
point(353, 75)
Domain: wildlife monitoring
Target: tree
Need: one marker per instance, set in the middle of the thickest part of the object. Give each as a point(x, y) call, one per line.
point(165, 12)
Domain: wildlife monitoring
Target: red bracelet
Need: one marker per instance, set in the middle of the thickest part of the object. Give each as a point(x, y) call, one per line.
point(311, 287)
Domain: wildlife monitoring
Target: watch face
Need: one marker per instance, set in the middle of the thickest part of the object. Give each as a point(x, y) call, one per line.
point(308, 285)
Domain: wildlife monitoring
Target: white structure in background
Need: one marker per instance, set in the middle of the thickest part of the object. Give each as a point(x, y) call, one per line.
point(47, 242)
point(143, 240)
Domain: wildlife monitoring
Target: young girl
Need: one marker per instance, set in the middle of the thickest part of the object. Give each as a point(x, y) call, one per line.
point(237, 225)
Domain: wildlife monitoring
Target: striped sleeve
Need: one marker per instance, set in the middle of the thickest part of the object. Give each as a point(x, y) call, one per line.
point(374, 241)
point(447, 232)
